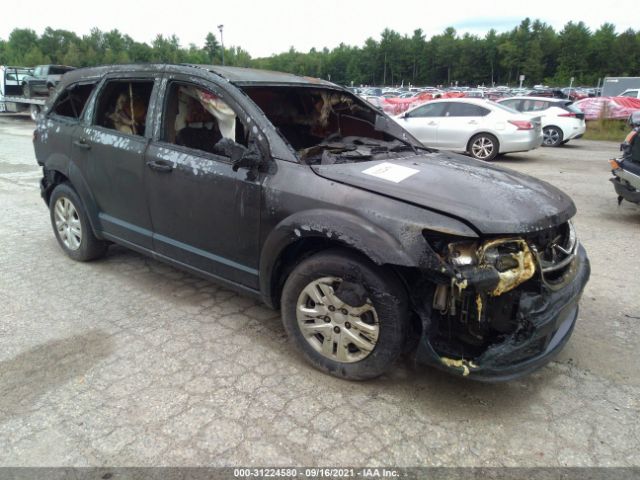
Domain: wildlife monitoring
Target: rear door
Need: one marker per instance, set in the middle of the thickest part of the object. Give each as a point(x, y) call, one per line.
point(109, 149)
point(461, 121)
point(423, 122)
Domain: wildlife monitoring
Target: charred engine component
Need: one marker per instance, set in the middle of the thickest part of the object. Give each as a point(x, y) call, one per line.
point(495, 267)
point(479, 304)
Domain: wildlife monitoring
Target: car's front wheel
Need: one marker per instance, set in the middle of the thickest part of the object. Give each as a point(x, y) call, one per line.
point(552, 137)
point(71, 225)
point(483, 146)
point(347, 316)
point(26, 90)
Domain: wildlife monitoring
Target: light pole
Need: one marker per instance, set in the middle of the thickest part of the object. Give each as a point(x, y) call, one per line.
point(220, 27)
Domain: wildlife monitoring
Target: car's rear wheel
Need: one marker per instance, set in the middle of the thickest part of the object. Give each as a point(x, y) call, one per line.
point(347, 316)
point(34, 111)
point(71, 225)
point(552, 137)
point(483, 146)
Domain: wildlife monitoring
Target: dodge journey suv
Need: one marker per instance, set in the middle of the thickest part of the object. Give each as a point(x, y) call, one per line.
point(296, 191)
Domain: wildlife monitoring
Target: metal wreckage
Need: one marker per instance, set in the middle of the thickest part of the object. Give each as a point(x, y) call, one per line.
point(371, 244)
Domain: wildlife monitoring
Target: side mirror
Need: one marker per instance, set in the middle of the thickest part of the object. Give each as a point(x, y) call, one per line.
point(241, 156)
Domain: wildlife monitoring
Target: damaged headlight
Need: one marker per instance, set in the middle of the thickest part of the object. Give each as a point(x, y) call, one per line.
point(495, 266)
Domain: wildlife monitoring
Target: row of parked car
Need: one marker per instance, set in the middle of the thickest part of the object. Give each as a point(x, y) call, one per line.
point(486, 129)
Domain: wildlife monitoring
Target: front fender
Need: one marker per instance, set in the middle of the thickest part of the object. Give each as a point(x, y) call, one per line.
point(402, 244)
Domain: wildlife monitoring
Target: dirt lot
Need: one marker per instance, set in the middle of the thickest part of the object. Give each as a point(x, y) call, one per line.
point(126, 361)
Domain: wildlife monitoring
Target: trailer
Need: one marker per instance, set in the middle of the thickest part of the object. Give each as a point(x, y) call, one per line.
point(614, 86)
point(11, 98)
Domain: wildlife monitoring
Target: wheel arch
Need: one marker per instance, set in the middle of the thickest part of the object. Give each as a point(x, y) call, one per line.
point(59, 170)
point(483, 132)
point(304, 234)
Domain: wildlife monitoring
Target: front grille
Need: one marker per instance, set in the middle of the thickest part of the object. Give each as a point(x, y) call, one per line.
point(555, 251)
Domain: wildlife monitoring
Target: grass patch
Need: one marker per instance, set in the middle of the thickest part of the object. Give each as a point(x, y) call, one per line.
point(604, 129)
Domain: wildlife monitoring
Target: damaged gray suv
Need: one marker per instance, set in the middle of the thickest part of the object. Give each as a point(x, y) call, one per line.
point(295, 191)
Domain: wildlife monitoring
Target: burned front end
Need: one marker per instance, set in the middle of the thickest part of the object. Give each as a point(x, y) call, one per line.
point(500, 307)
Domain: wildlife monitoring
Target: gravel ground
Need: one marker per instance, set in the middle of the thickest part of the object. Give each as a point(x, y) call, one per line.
point(128, 362)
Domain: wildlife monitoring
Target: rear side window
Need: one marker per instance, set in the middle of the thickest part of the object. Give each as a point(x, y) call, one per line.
point(534, 105)
point(123, 106)
point(515, 104)
point(71, 102)
point(57, 70)
point(466, 110)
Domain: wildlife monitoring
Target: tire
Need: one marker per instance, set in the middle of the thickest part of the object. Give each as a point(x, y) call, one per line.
point(71, 225)
point(552, 136)
point(483, 146)
point(335, 281)
point(34, 111)
point(26, 90)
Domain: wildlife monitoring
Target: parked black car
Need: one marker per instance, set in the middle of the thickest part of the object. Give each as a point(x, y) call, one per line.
point(43, 79)
point(300, 193)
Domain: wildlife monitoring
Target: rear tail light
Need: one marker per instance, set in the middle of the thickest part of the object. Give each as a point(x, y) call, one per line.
point(570, 114)
point(522, 124)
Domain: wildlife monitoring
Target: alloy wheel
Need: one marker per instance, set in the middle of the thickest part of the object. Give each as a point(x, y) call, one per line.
point(551, 137)
point(335, 329)
point(482, 148)
point(68, 224)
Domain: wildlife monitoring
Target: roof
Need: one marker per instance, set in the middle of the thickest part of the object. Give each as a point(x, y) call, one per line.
point(236, 75)
point(543, 99)
point(247, 76)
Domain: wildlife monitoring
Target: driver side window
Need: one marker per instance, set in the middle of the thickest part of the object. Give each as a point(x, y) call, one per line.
point(428, 110)
point(197, 118)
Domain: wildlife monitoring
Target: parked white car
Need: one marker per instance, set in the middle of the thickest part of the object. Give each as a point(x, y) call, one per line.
point(561, 121)
point(481, 128)
point(631, 93)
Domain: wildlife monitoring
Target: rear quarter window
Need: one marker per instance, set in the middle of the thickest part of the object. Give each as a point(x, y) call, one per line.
point(72, 100)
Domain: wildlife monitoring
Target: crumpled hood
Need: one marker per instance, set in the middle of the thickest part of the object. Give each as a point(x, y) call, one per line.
point(494, 200)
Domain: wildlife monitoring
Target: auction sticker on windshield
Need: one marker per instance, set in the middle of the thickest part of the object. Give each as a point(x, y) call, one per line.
point(389, 171)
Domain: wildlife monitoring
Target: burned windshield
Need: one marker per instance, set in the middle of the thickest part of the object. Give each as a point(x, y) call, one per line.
point(328, 126)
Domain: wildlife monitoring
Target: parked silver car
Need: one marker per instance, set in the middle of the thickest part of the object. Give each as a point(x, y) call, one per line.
point(561, 121)
point(481, 128)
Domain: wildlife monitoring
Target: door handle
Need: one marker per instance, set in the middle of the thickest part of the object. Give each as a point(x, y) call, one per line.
point(432, 123)
point(82, 144)
point(472, 122)
point(160, 166)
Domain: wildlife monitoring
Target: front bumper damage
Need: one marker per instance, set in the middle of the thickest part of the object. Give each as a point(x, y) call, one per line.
point(545, 317)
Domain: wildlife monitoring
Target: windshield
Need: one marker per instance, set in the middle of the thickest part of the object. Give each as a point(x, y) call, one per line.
point(314, 119)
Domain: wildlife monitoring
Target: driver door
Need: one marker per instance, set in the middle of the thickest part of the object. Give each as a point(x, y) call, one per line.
point(204, 215)
point(423, 122)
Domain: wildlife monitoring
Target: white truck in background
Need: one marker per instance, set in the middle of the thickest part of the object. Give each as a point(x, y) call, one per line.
point(616, 86)
point(11, 94)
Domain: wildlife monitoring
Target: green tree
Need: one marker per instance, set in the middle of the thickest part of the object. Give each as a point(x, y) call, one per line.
point(212, 48)
point(574, 52)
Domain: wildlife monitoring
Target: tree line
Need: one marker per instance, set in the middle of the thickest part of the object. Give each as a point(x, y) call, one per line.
point(533, 49)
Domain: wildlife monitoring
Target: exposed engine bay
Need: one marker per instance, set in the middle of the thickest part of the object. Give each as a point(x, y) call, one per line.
point(479, 307)
point(326, 126)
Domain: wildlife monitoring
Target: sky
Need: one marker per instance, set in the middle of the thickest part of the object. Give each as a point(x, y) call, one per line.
point(267, 27)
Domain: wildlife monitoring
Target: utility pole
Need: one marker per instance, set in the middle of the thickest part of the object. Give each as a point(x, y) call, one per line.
point(220, 27)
